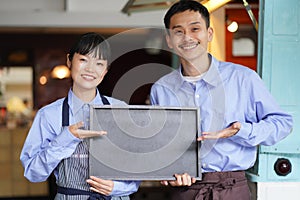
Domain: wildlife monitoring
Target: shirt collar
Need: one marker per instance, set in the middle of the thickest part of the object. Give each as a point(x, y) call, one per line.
point(212, 76)
point(76, 104)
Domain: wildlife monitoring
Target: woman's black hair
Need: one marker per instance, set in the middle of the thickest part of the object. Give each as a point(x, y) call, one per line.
point(91, 43)
point(184, 5)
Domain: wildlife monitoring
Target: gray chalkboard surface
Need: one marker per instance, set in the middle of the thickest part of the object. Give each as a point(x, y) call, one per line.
point(144, 142)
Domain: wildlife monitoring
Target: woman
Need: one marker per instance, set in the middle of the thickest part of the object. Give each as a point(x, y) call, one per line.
point(52, 145)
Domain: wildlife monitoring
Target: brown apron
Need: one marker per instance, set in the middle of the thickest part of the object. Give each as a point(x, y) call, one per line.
point(215, 186)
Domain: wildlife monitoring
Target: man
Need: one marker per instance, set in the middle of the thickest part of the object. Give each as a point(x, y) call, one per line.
point(237, 111)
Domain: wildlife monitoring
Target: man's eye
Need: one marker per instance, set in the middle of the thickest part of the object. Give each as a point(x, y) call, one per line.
point(178, 32)
point(195, 29)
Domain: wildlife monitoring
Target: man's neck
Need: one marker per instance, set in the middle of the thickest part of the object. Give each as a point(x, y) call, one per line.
point(195, 67)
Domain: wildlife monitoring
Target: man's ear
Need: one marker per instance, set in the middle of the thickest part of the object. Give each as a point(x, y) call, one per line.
point(210, 34)
point(169, 42)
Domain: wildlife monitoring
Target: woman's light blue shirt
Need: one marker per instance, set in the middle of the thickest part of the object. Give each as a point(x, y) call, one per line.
point(48, 142)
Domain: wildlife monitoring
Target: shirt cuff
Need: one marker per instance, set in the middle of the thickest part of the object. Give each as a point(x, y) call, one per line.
point(124, 188)
point(244, 132)
point(65, 139)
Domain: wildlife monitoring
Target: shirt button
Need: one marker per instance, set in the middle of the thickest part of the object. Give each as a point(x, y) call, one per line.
point(197, 96)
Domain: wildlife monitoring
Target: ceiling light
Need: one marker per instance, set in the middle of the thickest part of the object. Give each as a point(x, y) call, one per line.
point(60, 72)
point(232, 26)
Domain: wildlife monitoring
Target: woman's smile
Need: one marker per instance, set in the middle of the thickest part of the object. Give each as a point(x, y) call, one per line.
point(88, 77)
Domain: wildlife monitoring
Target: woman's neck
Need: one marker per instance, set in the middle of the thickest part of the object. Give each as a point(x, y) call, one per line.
point(86, 95)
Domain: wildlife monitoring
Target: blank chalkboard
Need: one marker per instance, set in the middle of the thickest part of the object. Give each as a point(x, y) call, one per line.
point(144, 142)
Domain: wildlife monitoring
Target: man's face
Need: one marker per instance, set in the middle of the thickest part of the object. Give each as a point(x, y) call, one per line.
point(87, 71)
point(189, 36)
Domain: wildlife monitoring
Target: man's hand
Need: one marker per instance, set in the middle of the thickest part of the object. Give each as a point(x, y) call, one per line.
point(76, 130)
point(181, 180)
point(225, 133)
point(100, 185)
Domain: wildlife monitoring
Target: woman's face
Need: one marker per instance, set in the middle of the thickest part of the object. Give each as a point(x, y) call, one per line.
point(87, 71)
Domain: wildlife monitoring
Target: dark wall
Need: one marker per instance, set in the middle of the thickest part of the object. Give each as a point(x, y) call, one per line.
point(44, 51)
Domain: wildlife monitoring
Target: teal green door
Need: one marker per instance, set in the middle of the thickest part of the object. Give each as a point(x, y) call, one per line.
point(279, 67)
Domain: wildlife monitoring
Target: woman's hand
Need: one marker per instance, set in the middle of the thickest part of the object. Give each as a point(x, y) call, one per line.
point(100, 185)
point(77, 131)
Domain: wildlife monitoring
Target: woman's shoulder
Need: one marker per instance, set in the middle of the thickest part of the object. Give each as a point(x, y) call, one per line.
point(114, 101)
point(52, 107)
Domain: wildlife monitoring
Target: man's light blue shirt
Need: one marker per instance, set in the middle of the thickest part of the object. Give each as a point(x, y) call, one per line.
point(48, 142)
point(227, 93)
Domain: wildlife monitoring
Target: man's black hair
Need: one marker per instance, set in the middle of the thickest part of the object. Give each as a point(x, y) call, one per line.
point(184, 5)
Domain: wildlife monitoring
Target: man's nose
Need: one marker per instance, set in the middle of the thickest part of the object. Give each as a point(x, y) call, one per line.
point(187, 36)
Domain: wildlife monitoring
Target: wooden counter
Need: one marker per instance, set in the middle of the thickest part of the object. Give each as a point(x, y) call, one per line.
point(12, 181)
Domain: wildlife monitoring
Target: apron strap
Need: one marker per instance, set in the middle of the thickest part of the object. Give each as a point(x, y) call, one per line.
point(104, 100)
point(65, 109)
point(65, 112)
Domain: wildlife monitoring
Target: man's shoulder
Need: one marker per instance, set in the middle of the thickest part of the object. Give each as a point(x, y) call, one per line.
point(236, 73)
point(169, 78)
point(230, 67)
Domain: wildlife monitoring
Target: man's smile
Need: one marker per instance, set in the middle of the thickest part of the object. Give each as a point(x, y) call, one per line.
point(189, 46)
